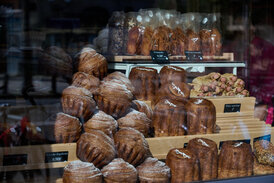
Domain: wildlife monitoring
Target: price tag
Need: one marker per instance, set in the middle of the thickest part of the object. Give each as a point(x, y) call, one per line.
point(159, 56)
point(194, 55)
point(232, 108)
point(15, 159)
point(51, 157)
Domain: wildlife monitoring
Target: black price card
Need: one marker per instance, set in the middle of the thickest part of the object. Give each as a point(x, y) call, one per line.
point(159, 56)
point(51, 157)
point(232, 108)
point(194, 55)
point(15, 159)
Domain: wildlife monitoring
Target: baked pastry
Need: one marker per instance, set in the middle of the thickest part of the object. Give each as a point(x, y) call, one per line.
point(78, 102)
point(183, 165)
point(207, 154)
point(102, 121)
point(142, 107)
point(160, 38)
point(137, 120)
point(114, 98)
point(170, 73)
point(169, 118)
point(120, 78)
point(78, 171)
point(154, 171)
point(206, 43)
point(131, 146)
point(178, 42)
point(145, 81)
point(57, 61)
point(83, 80)
point(216, 40)
point(264, 152)
point(95, 147)
point(146, 42)
point(119, 171)
point(192, 41)
point(175, 90)
point(93, 63)
point(261, 169)
point(200, 116)
point(133, 39)
point(235, 160)
point(67, 128)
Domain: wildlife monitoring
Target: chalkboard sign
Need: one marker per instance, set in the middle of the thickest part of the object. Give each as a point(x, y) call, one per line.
point(159, 57)
point(51, 157)
point(194, 55)
point(232, 108)
point(15, 159)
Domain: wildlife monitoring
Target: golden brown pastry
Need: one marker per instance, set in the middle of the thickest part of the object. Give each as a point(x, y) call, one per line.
point(118, 77)
point(146, 42)
point(192, 41)
point(264, 152)
point(131, 146)
point(96, 147)
point(78, 102)
point(114, 98)
point(200, 116)
point(145, 81)
point(83, 80)
point(160, 38)
point(142, 107)
point(93, 63)
point(171, 73)
point(183, 165)
point(136, 120)
point(169, 118)
point(102, 121)
point(261, 169)
point(78, 171)
point(133, 39)
point(178, 42)
point(174, 90)
point(119, 171)
point(67, 128)
point(153, 171)
point(216, 39)
point(206, 43)
point(207, 154)
point(235, 160)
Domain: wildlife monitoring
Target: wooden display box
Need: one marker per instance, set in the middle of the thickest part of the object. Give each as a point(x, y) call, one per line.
point(129, 58)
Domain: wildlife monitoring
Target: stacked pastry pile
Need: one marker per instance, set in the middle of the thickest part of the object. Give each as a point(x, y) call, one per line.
point(113, 129)
point(215, 84)
point(174, 113)
point(137, 33)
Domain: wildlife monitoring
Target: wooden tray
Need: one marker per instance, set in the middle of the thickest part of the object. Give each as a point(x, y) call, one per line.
point(128, 58)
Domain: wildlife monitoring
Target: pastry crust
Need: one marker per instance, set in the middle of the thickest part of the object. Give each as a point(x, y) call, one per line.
point(178, 42)
point(137, 120)
point(96, 147)
point(83, 80)
point(67, 128)
point(193, 41)
point(102, 121)
point(171, 73)
point(183, 165)
point(142, 107)
point(264, 152)
point(131, 146)
point(119, 171)
point(153, 171)
point(78, 172)
point(78, 102)
point(235, 160)
point(261, 169)
point(207, 153)
point(146, 42)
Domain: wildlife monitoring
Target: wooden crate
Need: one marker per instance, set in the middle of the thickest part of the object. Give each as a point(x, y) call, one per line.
point(128, 58)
